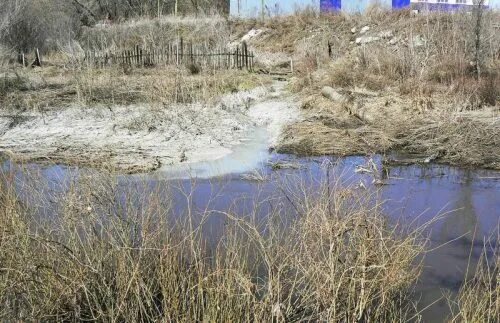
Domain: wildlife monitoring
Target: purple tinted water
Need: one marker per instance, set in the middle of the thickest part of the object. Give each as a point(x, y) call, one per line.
point(470, 199)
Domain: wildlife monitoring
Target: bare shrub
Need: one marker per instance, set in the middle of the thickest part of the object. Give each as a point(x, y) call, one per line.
point(38, 24)
point(478, 93)
point(117, 9)
point(450, 70)
point(6, 55)
point(489, 89)
point(117, 252)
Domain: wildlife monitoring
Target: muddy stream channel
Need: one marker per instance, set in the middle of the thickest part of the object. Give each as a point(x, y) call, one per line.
point(470, 199)
point(250, 175)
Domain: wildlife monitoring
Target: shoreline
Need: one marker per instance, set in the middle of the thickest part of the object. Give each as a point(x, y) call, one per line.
point(141, 138)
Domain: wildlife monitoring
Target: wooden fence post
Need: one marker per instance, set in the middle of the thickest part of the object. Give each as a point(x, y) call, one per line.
point(21, 59)
point(245, 54)
point(238, 57)
point(191, 52)
point(182, 50)
point(38, 60)
point(176, 53)
point(136, 55)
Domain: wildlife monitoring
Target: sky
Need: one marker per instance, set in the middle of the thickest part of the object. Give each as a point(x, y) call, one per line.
point(251, 7)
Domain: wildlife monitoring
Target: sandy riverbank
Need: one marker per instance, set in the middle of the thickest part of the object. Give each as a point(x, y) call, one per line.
point(141, 138)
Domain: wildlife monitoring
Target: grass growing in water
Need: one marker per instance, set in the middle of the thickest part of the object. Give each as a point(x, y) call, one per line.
point(111, 250)
point(479, 297)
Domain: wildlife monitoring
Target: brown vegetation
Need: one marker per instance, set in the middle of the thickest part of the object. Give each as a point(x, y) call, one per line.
point(158, 32)
point(52, 24)
point(109, 252)
point(408, 84)
point(59, 86)
point(479, 297)
point(334, 257)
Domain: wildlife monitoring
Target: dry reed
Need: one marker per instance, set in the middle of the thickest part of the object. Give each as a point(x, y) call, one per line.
point(479, 297)
point(95, 248)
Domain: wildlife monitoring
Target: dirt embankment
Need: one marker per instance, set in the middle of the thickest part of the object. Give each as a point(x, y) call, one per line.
point(140, 138)
point(388, 82)
point(365, 122)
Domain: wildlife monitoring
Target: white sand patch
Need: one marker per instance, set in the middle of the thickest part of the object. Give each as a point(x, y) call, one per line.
point(143, 138)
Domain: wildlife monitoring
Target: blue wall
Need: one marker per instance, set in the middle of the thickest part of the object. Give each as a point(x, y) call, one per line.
point(360, 5)
point(251, 8)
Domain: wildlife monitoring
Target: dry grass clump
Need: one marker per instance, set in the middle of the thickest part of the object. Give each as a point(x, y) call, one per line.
point(327, 137)
point(11, 82)
point(436, 48)
point(377, 124)
point(341, 74)
point(36, 89)
point(54, 87)
point(166, 85)
point(96, 248)
point(458, 139)
point(479, 298)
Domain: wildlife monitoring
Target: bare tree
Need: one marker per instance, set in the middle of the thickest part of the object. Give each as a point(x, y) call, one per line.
point(478, 21)
point(84, 8)
point(47, 24)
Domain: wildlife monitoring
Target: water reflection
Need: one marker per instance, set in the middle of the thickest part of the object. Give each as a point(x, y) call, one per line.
point(471, 200)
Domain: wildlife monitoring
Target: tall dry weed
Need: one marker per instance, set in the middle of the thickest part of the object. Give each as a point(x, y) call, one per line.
point(99, 248)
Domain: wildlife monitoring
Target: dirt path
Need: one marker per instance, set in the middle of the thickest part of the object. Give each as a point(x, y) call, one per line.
point(143, 138)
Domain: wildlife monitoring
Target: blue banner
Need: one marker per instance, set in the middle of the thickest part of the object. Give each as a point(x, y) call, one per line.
point(400, 3)
point(330, 5)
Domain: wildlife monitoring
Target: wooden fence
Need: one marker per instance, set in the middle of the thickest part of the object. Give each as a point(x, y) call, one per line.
point(177, 53)
point(22, 58)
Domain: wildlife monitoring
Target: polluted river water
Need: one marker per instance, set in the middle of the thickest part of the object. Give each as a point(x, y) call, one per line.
point(469, 200)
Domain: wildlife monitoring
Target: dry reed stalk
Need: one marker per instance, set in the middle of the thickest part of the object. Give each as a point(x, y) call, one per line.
point(479, 297)
point(96, 248)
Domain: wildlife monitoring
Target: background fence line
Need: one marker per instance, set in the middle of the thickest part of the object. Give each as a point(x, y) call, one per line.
point(177, 53)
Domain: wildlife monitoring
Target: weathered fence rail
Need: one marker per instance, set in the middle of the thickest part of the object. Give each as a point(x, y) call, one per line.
point(178, 53)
